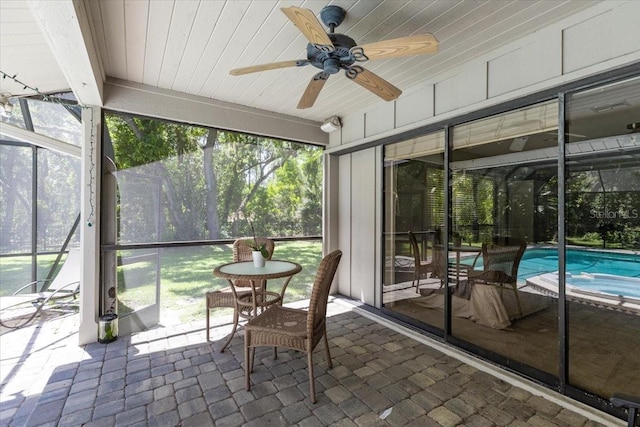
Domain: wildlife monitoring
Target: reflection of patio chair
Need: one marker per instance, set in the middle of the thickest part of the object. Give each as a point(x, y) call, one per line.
point(500, 261)
point(421, 268)
point(292, 328)
point(20, 308)
point(225, 297)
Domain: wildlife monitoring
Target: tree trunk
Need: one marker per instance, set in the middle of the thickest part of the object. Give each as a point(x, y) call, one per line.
point(211, 181)
point(475, 227)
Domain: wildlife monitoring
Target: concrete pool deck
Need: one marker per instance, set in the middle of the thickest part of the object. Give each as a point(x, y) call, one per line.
point(547, 284)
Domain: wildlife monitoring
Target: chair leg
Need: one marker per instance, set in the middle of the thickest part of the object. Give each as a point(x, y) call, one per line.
point(312, 385)
point(233, 331)
point(326, 347)
point(515, 290)
point(207, 308)
point(247, 365)
point(631, 421)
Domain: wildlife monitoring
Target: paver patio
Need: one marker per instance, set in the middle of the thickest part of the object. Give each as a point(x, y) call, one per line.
point(171, 376)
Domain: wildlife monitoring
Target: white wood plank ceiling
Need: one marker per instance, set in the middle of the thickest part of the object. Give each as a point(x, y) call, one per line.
point(190, 45)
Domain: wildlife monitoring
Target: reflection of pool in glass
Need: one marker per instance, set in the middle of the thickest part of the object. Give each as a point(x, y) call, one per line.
point(610, 273)
point(538, 261)
point(607, 284)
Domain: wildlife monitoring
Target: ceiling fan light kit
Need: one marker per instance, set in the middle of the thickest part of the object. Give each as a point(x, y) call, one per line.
point(332, 52)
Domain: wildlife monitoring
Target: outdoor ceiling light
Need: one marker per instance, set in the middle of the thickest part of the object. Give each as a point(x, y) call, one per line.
point(518, 143)
point(331, 124)
point(5, 104)
point(610, 106)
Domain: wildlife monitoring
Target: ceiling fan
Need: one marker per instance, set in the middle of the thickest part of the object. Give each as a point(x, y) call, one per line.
point(332, 52)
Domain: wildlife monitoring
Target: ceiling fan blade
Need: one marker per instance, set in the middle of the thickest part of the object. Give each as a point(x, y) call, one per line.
point(313, 90)
point(404, 46)
point(309, 25)
point(373, 82)
point(265, 67)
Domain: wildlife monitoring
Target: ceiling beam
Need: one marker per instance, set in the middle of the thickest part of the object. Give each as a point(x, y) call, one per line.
point(137, 98)
point(66, 28)
point(40, 140)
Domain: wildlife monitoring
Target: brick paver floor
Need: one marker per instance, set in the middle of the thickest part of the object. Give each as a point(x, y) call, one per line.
point(173, 377)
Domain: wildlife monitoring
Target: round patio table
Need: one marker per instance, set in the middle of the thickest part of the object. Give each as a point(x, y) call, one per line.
point(250, 302)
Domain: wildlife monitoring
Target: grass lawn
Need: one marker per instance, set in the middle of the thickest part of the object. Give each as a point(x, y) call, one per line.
point(186, 273)
point(15, 271)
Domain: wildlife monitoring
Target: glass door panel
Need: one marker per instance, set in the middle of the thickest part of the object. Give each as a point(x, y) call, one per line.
point(603, 237)
point(503, 238)
point(414, 219)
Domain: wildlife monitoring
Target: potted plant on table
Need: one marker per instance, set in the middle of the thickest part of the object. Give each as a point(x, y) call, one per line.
point(260, 253)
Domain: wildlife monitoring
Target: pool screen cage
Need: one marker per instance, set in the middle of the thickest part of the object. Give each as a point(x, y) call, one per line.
point(39, 188)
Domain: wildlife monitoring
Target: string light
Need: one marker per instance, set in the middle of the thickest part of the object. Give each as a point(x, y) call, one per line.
point(92, 165)
point(24, 85)
point(91, 169)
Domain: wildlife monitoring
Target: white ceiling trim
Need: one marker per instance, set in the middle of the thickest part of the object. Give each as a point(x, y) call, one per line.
point(65, 26)
point(136, 98)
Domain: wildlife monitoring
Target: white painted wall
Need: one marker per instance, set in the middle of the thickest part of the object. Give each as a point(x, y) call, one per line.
point(89, 225)
point(358, 223)
point(601, 38)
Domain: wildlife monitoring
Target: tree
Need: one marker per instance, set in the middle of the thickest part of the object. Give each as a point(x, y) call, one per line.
point(248, 162)
point(210, 181)
point(211, 185)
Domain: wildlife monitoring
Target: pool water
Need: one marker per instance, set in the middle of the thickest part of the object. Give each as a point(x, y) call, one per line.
point(607, 284)
point(538, 261)
point(597, 271)
point(619, 286)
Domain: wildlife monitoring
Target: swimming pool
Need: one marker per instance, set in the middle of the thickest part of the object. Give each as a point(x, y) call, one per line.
point(604, 285)
point(537, 261)
point(610, 273)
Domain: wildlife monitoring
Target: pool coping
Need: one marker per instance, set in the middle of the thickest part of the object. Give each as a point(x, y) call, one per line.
point(612, 302)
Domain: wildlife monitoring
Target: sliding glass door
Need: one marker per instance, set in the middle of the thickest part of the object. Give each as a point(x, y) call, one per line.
point(414, 220)
point(504, 204)
point(530, 219)
point(603, 237)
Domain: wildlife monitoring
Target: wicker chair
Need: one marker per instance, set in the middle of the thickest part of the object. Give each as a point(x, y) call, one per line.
point(294, 328)
point(224, 298)
point(500, 261)
point(421, 268)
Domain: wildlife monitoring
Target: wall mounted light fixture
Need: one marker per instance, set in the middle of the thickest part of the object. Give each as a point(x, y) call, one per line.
point(331, 124)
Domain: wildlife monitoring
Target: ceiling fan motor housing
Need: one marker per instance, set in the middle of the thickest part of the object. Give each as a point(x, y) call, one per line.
point(332, 62)
point(332, 16)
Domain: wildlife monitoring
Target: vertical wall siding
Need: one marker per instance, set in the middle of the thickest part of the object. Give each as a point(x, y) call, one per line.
point(357, 225)
point(406, 113)
point(611, 34)
point(342, 221)
point(601, 38)
point(537, 59)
